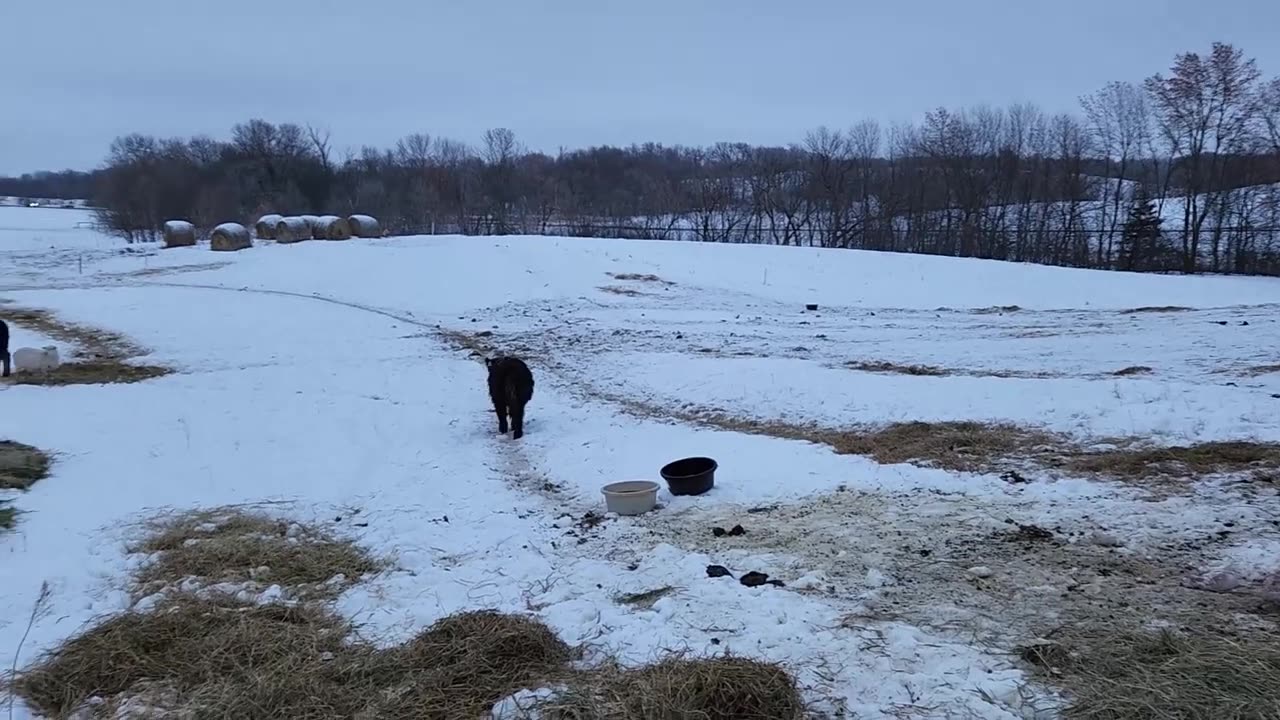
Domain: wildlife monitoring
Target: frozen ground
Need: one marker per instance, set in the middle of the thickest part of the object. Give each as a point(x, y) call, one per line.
point(315, 377)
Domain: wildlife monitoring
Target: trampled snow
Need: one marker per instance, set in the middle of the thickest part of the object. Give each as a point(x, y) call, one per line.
point(310, 378)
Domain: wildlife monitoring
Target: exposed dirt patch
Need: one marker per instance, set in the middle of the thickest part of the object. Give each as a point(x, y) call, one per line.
point(105, 354)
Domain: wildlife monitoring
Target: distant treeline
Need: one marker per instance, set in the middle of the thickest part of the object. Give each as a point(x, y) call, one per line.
point(1200, 144)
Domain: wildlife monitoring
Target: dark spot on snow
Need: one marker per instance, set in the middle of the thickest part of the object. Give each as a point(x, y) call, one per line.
point(754, 579)
point(718, 571)
point(718, 531)
point(737, 530)
point(1014, 477)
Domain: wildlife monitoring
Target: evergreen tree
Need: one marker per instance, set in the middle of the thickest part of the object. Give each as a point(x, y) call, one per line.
point(1142, 242)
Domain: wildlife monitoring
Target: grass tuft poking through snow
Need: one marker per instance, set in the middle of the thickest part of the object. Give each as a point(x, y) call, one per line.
point(214, 655)
point(1146, 675)
point(234, 546)
point(21, 466)
point(1190, 460)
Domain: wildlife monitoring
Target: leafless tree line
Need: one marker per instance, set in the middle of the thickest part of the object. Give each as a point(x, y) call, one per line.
point(1202, 141)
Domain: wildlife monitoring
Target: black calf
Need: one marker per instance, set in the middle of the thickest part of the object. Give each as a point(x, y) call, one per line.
point(510, 389)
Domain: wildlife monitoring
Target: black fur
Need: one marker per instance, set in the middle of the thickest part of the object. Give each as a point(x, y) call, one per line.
point(510, 389)
point(4, 348)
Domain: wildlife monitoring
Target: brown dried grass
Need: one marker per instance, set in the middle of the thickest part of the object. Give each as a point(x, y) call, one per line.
point(1182, 460)
point(892, 368)
point(721, 688)
point(211, 657)
point(463, 664)
point(1155, 309)
point(21, 465)
point(1133, 370)
point(108, 352)
point(1115, 673)
point(640, 277)
point(232, 545)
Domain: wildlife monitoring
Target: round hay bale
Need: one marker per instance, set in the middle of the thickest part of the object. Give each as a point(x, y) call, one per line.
point(292, 230)
point(364, 226)
point(331, 227)
point(266, 226)
point(179, 233)
point(229, 237)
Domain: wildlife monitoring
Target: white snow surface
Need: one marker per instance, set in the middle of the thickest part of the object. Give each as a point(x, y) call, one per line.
point(311, 378)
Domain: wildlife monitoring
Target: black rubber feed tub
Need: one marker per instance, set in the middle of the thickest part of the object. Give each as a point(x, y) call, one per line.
point(690, 476)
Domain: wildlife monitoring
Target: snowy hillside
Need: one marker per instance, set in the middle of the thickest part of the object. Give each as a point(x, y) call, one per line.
point(336, 382)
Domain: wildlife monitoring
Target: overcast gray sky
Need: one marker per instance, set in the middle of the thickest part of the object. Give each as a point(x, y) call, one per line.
point(568, 72)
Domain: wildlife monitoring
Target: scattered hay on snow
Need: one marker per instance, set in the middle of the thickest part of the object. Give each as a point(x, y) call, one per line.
point(1200, 459)
point(109, 352)
point(21, 465)
point(1117, 674)
point(891, 368)
point(217, 656)
point(463, 664)
point(721, 688)
point(234, 546)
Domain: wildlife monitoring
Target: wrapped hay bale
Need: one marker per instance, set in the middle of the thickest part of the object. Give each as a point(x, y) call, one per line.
point(179, 233)
point(292, 230)
point(364, 226)
point(266, 226)
point(331, 227)
point(229, 237)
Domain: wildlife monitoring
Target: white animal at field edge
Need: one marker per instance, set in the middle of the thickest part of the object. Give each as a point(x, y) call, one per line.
point(35, 360)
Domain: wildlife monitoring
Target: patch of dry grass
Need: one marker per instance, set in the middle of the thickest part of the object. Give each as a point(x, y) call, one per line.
point(1133, 370)
point(1257, 370)
point(1155, 309)
point(21, 466)
point(969, 446)
point(108, 352)
point(1200, 459)
point(619, 290)
point(721, 688)
point(891, 368)
point(640, 277)
point(1114, 674)
point(99, 372)
point(463, 664)
point(963, 446)
point(234, 546)
point(213, 657)
point(8, 516)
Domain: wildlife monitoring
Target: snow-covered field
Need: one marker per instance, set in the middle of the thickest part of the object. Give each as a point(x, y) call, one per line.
point(316, 376)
